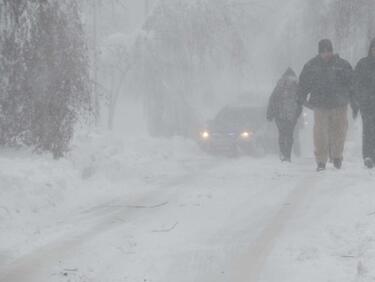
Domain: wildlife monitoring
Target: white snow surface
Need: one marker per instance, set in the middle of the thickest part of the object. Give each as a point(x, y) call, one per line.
point(119, 209)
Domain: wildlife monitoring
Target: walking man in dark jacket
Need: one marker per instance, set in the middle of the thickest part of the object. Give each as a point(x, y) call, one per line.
point(365, 95)
point(328, 80)
point(284, 109)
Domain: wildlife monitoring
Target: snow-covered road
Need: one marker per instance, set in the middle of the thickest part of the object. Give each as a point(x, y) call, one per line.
point(219, 220)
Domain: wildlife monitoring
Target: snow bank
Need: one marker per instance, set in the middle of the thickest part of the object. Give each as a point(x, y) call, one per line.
point(332, 236)
point(38, 194)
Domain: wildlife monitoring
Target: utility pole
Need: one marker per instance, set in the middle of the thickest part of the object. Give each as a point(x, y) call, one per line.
point(146, 8)
point(95, 61)
point(371, 21)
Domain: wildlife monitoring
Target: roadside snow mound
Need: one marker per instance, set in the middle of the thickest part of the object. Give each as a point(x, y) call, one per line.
point(35, 188)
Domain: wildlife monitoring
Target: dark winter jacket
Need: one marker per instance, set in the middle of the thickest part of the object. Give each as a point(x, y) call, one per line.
point(283, 101)
point(330, 85)
point(365, 82)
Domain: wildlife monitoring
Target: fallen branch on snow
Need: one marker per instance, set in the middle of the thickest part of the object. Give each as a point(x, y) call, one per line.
point(166, 230)
point(139, 206)
point(148, 207)
point(71, 269)
point(6, 210)
point(348, 256)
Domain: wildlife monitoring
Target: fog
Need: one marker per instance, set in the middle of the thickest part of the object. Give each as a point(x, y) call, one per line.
point(169, 140)
point(206, 54)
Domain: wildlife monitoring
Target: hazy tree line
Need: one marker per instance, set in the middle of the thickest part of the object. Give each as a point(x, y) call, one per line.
point(186, 55)
point(188, 50)
point(349, 23)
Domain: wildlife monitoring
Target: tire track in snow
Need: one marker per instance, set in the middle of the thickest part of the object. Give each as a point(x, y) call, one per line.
point(248, 267)
point(39, 265)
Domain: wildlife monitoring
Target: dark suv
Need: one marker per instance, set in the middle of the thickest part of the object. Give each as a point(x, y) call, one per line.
point(238, 130)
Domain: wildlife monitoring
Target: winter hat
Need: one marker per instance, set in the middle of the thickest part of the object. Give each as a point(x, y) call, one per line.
point(325, 45)
point(372, 45)
point(290, 72)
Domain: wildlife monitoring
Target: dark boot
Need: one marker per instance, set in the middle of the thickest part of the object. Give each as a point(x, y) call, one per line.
point(321, 167)
point(369, 163)
point(337, 163)
point(286, 159)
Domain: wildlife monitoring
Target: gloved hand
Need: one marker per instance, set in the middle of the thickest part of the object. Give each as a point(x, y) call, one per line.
point(308, 105)
point(355, 107)
point(299, 111)
point(355, 113)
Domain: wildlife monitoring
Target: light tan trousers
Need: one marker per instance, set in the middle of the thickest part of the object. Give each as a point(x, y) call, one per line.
point(330, 129)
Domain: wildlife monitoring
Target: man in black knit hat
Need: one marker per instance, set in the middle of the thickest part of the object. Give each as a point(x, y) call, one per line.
point(327, 79)
point(365, 94)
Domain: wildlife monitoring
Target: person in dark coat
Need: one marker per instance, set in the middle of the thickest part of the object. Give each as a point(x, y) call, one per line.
point(365, 95)
point(328, 81)
point(284, 109)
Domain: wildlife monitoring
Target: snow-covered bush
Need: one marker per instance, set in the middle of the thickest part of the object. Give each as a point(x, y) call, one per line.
point(44, 84)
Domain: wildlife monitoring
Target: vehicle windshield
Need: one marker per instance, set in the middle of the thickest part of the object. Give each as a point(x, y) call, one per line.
point(239, 118)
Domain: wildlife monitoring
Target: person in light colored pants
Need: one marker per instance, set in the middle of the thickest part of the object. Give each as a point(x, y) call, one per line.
point(330, 130)
point(326, 87)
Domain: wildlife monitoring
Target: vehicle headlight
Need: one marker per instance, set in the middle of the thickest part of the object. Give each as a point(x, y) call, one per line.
point(246, 135)
point(205, 135)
